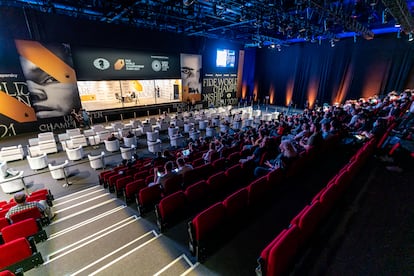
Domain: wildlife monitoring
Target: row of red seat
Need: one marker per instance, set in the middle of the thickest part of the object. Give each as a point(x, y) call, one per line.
point(278, 256)
point(207, 226)
point(18, 253)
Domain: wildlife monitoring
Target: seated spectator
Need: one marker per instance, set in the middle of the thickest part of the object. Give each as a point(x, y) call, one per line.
point(20, 199)
point(111, 137)
point(161, 178)
point(130, 134)
point(207, 157)
point(158, 159)
point(258, 152)
point(182, 166)
point(286, 156)
point(314, 140)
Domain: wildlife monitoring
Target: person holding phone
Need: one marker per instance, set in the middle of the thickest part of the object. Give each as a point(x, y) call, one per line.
point(161, 177)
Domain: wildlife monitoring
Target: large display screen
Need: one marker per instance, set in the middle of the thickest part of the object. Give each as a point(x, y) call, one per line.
point(226, 58)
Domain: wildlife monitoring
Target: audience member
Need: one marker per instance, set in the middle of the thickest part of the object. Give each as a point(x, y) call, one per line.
point(20, 199)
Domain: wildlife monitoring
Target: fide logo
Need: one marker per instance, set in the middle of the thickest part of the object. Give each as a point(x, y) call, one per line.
point(101, 64)
point(156, 65)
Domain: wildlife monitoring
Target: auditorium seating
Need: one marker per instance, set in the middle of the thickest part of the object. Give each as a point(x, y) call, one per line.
point(147, 198)
point(30, 213)
point(205, 228)
point(170, 209)
point(132, 188)
point(19, 253)
point(24, 229)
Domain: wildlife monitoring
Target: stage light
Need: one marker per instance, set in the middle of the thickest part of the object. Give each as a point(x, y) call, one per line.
point(410, 37)
point(355, 38)
point(332, 43)
point(399, 34)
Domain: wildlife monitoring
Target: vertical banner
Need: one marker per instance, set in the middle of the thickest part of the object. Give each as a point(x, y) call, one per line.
point(191, 67)
point(220, 89)
point(50, 78)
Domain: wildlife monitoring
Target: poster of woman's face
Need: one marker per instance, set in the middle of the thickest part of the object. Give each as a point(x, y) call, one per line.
point(50, 78)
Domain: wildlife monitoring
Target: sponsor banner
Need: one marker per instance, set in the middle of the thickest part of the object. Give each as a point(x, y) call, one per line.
point(220, 89)
point(111, 64)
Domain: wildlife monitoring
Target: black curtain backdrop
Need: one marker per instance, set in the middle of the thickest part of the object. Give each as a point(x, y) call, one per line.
point(321, 74)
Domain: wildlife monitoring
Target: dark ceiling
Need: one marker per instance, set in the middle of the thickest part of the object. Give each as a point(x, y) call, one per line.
point(249, 22)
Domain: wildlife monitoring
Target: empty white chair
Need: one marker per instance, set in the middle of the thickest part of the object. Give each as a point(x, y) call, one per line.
point(237, 125)
point(194, 135)
point(172, 131)
point(98, 128)
point(103, 135)
point(223, 128)
point(154, 146)
point(37, 162)
point(97, 161)
point(73, 132)
point(58, 172)
point(177, 141)
point(75, 154)
point(202, 124)
point(112, 146)
point(210, 132)
point(127, 152)
point(188, 127)
point(11, 181)
point(11, 153)
point(146, 127)
point(130, 141)
point(153, 136)
point(77, 140)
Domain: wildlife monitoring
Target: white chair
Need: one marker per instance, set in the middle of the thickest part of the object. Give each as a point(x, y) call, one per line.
point(210, 132)
point(75, 154)
point(97, 161)
point(153, 136)
point(202, 124)
point(154, 146)
point(37, 162)
point(224, 128)
point(146, 127)
point(10, 181)
point(131, 141)
point(188, 127)
point(177, 141)
point(73, 132)
point(127, 152)
point(58, 172)
point(77, 140)
point(112, 146)
point(194, 135)
point(11, 153)
point(172, 131)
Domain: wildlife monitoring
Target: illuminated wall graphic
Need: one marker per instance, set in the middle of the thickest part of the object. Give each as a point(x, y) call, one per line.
point(289, 91)
point(220, 89)
point(191, 67)
point(50, 77)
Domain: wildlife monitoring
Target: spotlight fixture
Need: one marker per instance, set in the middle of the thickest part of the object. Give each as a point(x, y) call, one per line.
point(410, 37)
point(278, 47)
point(355, 38)
point(332, 42)
point(399, 34)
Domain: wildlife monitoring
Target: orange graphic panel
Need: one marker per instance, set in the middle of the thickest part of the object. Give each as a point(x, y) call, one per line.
point(16, 110)
point(46, 60)
point(119, 64)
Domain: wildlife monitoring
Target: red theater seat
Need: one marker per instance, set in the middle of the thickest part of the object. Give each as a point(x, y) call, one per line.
point(170, 209)
point(30, 213)
point(147, 198)
point(205, 227)
point(19, 253)
point(173, 185)
point(218, 185)
point(121, 183)
point(258, 191)
point(236, 204)
point(198, 196)
point(24, 229)
point(132, 188)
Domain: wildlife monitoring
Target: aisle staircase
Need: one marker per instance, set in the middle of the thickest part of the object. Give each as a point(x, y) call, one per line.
point(94, 233)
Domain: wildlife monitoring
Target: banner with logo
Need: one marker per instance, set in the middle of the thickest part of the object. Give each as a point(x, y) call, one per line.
point(220, 89)
point(116, 64)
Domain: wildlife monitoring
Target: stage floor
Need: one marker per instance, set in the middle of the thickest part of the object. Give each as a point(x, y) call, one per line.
point(101, 105)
